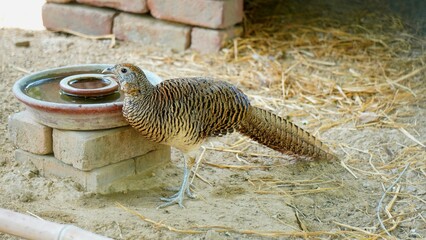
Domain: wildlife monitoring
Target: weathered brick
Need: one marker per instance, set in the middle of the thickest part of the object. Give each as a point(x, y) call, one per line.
point(151, 160)
point(87, 150)
point(97, 180)
point(29, 135)
point(79, 18)
point(48, 165)
point(147, 30)
point(100, 179)
point(204, 13)
point(135, 6)
point(210, 40)
point(142, 180)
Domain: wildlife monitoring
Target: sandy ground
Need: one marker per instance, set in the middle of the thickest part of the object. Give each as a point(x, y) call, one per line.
point(271, 196)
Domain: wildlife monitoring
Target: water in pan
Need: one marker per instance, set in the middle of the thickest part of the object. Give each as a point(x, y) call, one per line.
point(48, 90)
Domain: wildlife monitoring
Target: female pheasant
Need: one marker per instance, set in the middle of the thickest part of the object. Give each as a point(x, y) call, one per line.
point(184, 112)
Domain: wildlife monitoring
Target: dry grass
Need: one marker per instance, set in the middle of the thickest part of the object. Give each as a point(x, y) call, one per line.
point(293, 187)
point(203, 229)
point(355, 72)
point(338, 73)
point(329, 72)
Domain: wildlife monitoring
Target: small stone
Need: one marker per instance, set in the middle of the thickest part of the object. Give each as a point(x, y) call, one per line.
point(28, 34)
point(30, 174)
point(212, 235)
point(23, 44)
point(26, 196)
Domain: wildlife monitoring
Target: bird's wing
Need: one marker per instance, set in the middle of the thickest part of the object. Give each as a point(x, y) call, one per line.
point(211, 107)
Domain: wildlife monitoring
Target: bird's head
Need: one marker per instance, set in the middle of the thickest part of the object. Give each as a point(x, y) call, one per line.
point(131, 78)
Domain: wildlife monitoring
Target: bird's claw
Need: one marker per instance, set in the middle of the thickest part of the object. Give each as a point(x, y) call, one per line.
point(176, 198)
point(171, 201)
point(190, 194)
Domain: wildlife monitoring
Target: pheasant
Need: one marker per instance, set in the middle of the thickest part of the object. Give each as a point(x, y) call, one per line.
point(184, 112)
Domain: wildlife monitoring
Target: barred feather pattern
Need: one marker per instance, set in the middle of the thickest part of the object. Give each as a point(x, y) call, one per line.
point(282, 135)
point(184, 112)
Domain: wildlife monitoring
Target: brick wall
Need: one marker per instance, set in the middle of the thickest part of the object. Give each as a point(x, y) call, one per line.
point(203, 25)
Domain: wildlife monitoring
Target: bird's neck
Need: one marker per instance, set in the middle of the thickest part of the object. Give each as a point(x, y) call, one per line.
point(145, 87)
point(137, 90)
point(143, 92)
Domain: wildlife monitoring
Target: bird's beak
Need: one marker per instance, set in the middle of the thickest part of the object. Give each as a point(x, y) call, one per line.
point(108, 70)
point(109, 74)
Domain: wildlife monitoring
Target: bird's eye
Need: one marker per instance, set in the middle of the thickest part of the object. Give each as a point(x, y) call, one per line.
point(123, 70)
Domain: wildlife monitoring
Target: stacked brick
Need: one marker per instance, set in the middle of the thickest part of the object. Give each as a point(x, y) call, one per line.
point(99, 160)
point(203, 25)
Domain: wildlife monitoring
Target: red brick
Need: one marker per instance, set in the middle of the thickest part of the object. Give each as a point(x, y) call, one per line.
point(79, 18)
point(147, 30)
point(204, 13)
point(210, 40)
point(135, 6)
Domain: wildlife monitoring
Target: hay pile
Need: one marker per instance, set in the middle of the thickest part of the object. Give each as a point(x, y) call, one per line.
point(358, 69)
point(351, 68)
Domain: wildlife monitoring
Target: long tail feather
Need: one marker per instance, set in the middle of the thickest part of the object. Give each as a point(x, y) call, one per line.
point(282, 135)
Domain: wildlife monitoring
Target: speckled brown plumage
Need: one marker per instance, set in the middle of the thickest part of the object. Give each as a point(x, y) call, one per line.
point(282, 135)
point(184, 112)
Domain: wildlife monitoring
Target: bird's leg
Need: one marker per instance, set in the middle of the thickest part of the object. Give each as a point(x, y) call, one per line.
point(184, 188)
point(188, 189)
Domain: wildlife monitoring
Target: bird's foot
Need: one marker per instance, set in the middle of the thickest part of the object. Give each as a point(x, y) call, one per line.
point(190, 194)
point(177, 189)
point(176, 198)
point(184, 188)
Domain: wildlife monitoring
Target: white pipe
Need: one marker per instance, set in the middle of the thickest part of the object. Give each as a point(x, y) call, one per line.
point(29, 227)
